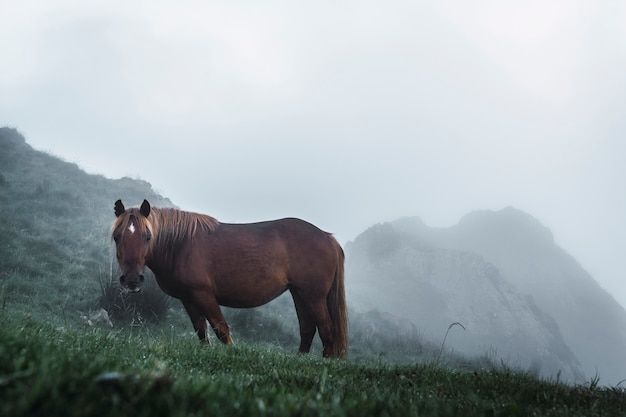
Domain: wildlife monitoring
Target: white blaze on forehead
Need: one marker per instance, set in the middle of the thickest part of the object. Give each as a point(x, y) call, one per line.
point(131, 228)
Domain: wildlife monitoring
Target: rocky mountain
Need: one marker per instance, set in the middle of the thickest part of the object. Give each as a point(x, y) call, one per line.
point(591, 322)
point(520, 297)
point(433, 287)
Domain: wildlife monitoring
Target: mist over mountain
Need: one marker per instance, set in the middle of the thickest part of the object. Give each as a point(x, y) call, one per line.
point(501, 275)
point(519, 296)
point(592, 323)
point(434, 287)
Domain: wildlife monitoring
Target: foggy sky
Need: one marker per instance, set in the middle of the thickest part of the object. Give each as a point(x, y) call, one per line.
point(345, 113)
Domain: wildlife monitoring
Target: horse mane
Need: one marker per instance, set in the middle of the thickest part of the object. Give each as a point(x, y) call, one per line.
point(168, 227)
point(171, 226)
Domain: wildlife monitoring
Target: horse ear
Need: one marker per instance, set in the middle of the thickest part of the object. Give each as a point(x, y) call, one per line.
point(145, 208)
point(119, 208)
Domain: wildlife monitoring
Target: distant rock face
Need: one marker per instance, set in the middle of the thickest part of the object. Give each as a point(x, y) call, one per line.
point(592, 323)
point(519, 296)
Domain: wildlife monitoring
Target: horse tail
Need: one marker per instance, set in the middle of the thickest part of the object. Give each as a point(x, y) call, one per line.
point(336, 302)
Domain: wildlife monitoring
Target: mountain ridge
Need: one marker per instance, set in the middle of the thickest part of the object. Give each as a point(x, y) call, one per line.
point(525, 254)
point(433, 287)
point(591, 321)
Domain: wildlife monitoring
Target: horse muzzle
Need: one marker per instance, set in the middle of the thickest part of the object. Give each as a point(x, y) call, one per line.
point(132, 282)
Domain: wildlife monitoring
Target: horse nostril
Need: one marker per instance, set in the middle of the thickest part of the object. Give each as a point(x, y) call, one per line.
point(123, 279)
point(141, 278)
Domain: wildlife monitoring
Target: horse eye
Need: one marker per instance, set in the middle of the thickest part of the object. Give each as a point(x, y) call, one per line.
point(116, 238)
point(148, 237)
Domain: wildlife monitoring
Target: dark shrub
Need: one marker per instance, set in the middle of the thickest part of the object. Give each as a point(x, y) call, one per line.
point(150, 305)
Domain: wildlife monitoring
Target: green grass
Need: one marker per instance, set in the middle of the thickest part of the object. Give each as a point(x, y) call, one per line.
point(83, 371)
point(54, 231)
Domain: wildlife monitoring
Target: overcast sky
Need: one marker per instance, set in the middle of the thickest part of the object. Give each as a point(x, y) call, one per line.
point(345, 113)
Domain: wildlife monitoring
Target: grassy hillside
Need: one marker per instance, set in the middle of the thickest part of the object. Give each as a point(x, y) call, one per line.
point(55, 229)
point(51, 371)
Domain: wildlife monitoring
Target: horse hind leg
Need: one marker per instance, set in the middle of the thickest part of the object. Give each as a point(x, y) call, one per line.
point(319, 311)
point(313, 313)
point(306, 323)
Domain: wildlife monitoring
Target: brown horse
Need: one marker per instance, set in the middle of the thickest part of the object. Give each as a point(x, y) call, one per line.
point(205, 264)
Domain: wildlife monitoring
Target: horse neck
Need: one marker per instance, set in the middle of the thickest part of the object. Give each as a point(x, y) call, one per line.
point(153, 260)
point(170, 233)
point(164, 246)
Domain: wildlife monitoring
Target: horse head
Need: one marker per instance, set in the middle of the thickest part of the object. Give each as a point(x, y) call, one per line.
point(132, 233)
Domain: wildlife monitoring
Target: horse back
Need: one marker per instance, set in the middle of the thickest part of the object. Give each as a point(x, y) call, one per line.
point(266, 258)
point(289, 241)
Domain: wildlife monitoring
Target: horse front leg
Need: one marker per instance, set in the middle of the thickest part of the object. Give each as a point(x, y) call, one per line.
point(221, 329)
point(208, 305)
point(197, 320)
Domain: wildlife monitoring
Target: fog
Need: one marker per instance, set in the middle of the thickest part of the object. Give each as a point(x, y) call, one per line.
point(343, 113)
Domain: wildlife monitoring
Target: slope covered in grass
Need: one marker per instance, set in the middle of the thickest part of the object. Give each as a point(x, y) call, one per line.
point(72, 372)
point(55, 229)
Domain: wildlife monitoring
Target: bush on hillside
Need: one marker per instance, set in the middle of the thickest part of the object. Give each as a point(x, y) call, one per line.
point(150, 305)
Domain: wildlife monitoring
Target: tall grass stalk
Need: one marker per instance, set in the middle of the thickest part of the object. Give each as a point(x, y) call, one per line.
point(456, 323)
